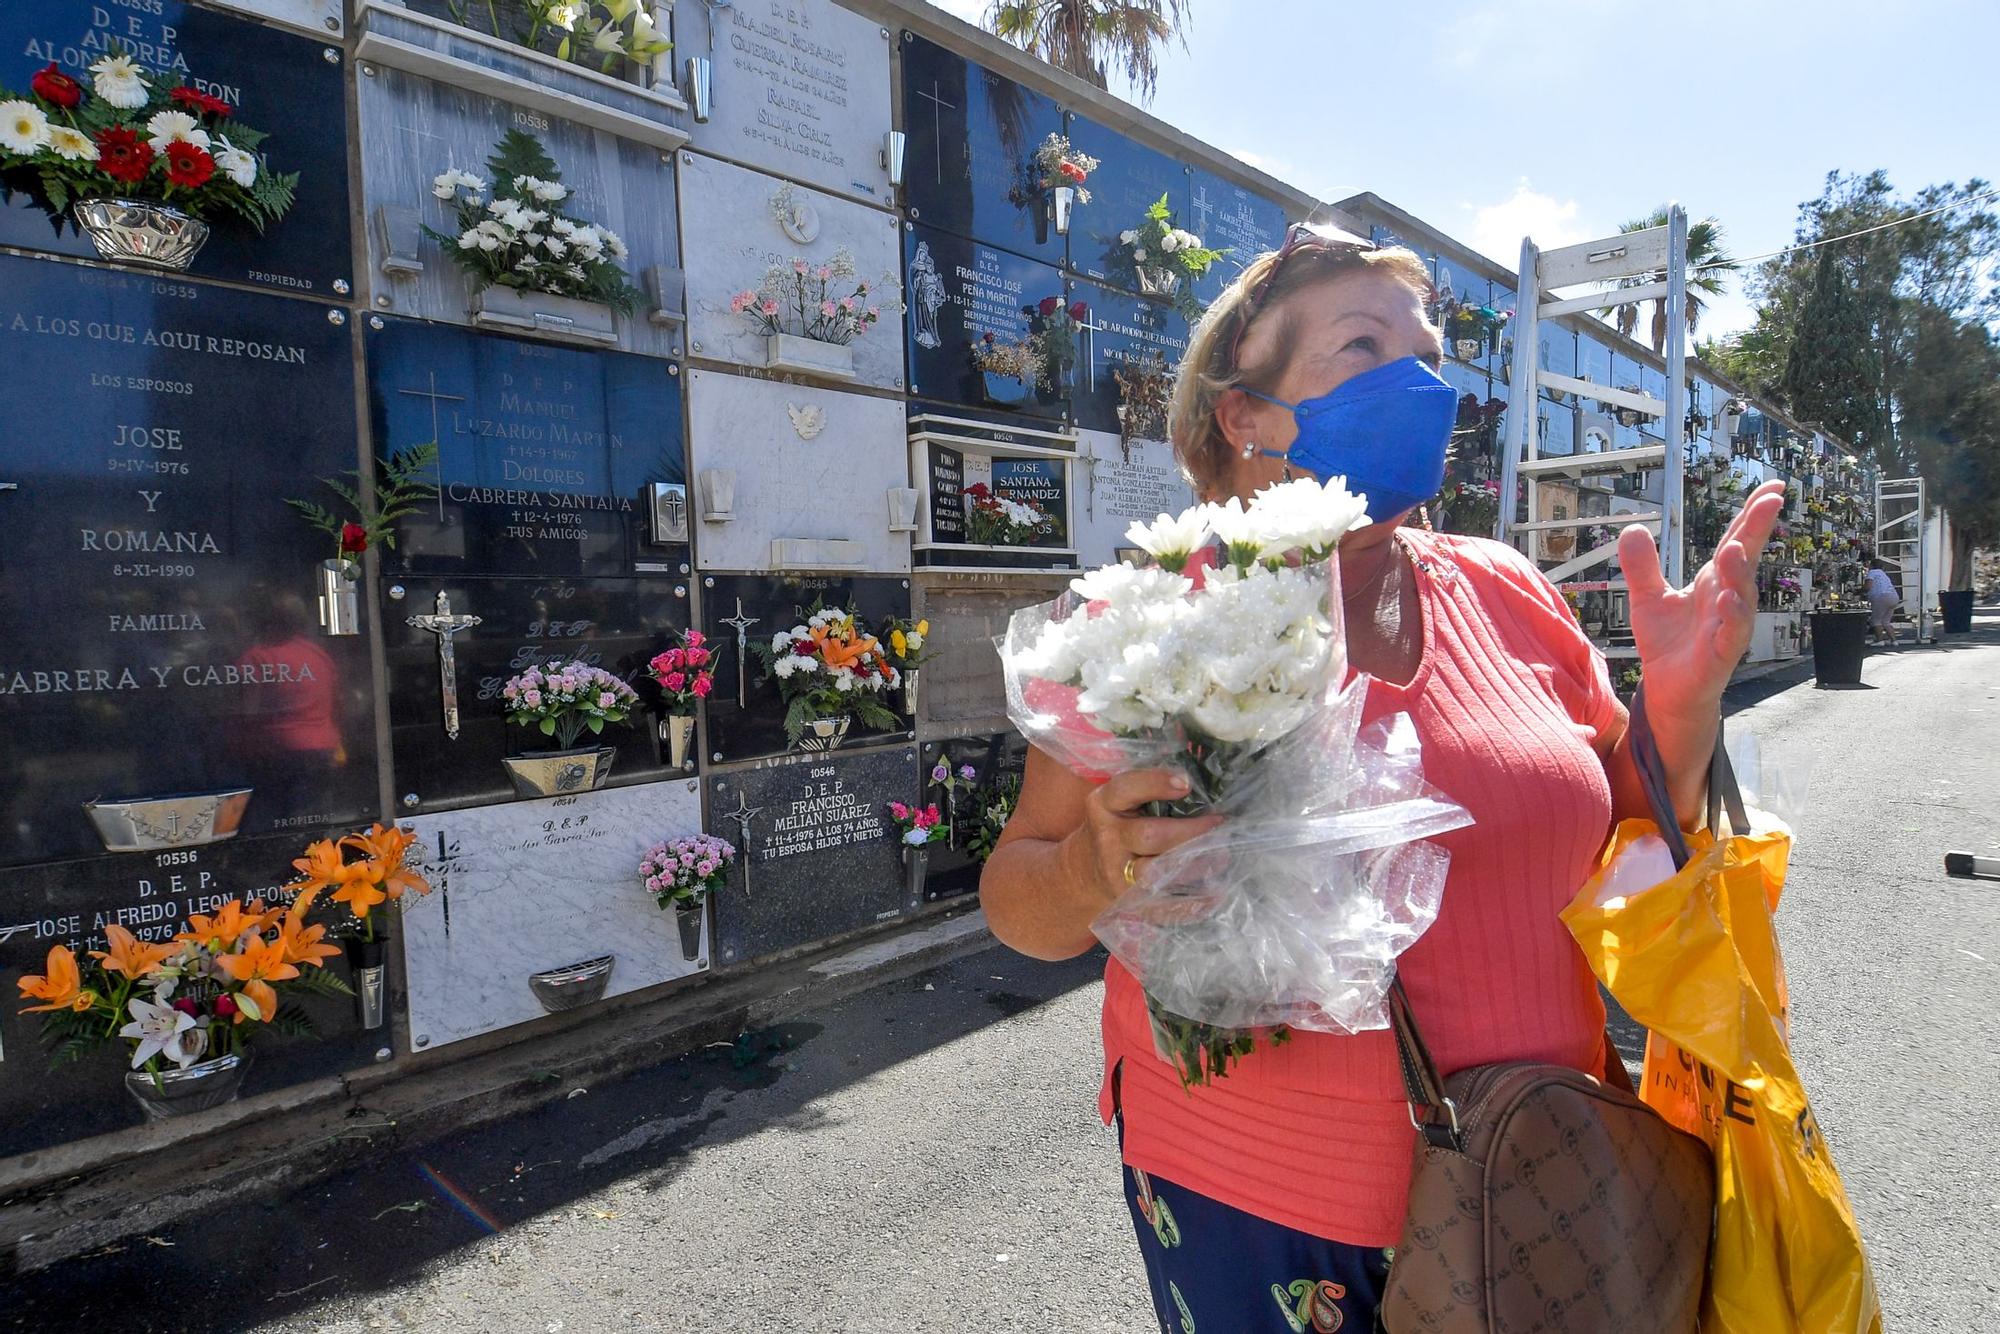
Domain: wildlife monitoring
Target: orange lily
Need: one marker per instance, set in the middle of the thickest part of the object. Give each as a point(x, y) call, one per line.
point(305, 944)
point(385, 849)
point(128, 954)
point(323, 865)
point(256, 966)
point(360, 894)
point(227, 925)
point(60, 988)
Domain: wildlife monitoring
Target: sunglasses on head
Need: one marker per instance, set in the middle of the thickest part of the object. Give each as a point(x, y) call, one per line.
point(1299, 236)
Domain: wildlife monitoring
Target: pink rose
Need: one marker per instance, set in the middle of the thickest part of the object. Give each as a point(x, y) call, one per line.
point(695, 638)
point(702, 685)
point(675, 680)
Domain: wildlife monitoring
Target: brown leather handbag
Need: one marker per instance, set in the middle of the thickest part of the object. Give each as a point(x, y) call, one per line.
point(1546, 1200)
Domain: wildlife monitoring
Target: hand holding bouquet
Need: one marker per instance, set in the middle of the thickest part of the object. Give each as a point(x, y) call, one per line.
point(1291, 911)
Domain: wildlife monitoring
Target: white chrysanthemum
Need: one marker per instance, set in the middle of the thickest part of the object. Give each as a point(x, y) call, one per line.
point(233, 162)
point(1170, 242)
point(1304, 516)
point(469, 240)
point(24, 127)
point(785, 666)
point(1125, 586)
point(175, 127)
point(120, 82)
point(612, 244)
point(1171, 538)
point(71, 145)
point(1139, 255)
point(1127, 237)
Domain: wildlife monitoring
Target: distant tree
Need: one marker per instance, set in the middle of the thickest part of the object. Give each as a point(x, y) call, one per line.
point(1950, 423)
point(1089, 38)
point(1707, 261)
point(1833, 371)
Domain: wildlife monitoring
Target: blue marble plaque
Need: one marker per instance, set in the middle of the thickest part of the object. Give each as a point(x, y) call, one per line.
point(157, 597)
point(1231, 218)
point(973, 136)
point(965, 298)
point(283, 85)
point(152, 895)
point(746, 714)
point(616, 624)
point(545, 453)
point(1129, 179)
point(1122, 331)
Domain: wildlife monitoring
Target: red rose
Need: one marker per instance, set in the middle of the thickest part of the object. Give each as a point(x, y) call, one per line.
point(804, 648)
point(57, 88)
point(977, 490)
point(191, 167)
point(188, 1007)
point(1074, 172)
point(123, 155)
point(353, 539)
point(703, 684)
point(225, 1006)
point(1079, 312)
point(1050, 305)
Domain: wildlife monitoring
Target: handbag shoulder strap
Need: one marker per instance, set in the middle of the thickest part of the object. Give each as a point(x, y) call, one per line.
point(1421, 1083)
point(1723, 792)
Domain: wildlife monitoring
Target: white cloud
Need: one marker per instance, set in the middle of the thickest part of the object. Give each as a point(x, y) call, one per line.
point(1496, 229)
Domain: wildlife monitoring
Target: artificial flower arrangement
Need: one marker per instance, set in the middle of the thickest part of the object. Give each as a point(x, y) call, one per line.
point(680, 874)
point(134, 136)
point(1278, 918)
point(1162, 255)
point(965, 779)
point(908, 644)
point(1061, 166)
point(1001, 521)
point(829, 672)
point(1473, 329)
point(1053, 326)
point(1010, 371)
point(361, 871)
point(521, 239)
point(566, 699)
point(1145, 391)
point(597, 34)
point(996, 807)
point(196, 1000)
point(806, 300)
point(402, 483)
point(917, 826)
point(685, 672)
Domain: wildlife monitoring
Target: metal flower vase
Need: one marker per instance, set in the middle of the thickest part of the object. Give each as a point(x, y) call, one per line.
point(912, 686)
point(1062, 200)
point(916, 870)
point(677, 731)
point(166, 1094)
point(1158, 280)
point(688, 918)
point(136, 231)
point(339, 598)
point(825, 733)
point(367, 960)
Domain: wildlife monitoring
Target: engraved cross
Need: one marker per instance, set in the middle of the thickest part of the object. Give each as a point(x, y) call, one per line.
point(444, 625)
point(938, 107)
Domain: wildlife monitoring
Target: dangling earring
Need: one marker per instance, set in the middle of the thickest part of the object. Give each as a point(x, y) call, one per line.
point(1249, 449)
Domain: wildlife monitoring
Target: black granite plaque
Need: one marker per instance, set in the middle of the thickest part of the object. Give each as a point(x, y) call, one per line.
point(818, 852)
point(994, 761)
point(151, 895)
point(616, 624)
point(1122, 330)
point(746, 714)
point(946, 493)
point(281, 84)
point(1233, 219)
point(1130, 178)
point(157, 597)
point(973, 136)
point(545, 453)
point(963, 296)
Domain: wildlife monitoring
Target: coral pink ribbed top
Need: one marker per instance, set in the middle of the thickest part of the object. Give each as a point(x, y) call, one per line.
point(1508, 700)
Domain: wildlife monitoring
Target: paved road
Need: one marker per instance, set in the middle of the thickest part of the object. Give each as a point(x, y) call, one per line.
point(926, 1156)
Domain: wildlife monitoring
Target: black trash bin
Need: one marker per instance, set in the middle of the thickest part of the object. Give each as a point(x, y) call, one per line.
point(1957, 610)
point(1840, 641)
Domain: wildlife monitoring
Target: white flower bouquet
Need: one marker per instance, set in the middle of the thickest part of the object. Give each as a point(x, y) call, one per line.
point(1290, 913)
point(521, 238)
point(829, 668)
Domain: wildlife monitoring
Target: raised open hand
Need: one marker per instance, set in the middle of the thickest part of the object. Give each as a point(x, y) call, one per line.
point(1690, 639)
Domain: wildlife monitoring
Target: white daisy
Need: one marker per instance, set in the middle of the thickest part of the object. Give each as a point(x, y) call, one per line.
point(72, 145)
point(233, 162)
point(24, 128)
point(120, 82)
point(175, 127)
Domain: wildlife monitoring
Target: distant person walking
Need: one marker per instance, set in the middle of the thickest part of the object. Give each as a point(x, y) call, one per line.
point(1882, 601)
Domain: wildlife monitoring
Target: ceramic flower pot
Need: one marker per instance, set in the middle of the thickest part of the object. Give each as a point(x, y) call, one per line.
point(677, 730)
point(135, 231)
point(916, 868)
point(367, 960)
point(1158, 280)
point(1003, 390)
point(339, 597)
point(688, 918)
point(553, 773)
point(809, 356)
point(172, 1092)
point(825, 733)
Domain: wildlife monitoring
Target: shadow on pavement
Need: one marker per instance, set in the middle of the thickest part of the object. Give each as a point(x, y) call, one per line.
point(261, 1259)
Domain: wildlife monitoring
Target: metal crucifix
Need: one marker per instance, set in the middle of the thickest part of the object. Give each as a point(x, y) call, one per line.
point(444, 625)
point(742, 624)
point(743, 815)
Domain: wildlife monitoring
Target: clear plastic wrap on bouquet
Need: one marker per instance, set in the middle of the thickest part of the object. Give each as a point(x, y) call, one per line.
point(1291, 912)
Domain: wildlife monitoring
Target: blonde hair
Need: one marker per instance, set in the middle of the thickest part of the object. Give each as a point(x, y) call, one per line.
point(1210, 370)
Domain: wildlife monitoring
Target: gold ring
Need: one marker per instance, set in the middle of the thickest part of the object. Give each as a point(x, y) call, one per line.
point(1131, 870)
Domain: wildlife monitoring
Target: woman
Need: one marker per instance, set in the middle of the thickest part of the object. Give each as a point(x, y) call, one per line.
point(1265, 1200)
point(1882, 603)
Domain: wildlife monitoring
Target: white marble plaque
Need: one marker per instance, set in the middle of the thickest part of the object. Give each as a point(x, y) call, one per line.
point(322, 18)
point(413, 128)
point(801, 89)
point(811, 468)
point(1117, 484)
point(737, 223)
point(526, 887)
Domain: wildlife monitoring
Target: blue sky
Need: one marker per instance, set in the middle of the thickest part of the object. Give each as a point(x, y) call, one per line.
point(1735, 109)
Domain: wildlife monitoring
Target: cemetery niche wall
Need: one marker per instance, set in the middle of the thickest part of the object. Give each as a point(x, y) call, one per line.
point(987, 328)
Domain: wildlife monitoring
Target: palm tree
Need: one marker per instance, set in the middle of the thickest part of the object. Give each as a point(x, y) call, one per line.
point(1707, 261)
point(1087, 37)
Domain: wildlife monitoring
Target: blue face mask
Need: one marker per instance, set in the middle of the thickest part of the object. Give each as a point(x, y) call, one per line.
point(1385, 431)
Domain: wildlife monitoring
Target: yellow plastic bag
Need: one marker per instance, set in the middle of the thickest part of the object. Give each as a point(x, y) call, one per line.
point(1693, 956)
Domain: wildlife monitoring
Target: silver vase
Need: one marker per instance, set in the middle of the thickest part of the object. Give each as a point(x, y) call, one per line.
point(134, 231)
point(916, 869)
point(825, 733)
point(677, 730)
point(339, 598)
point(205, 1084)
point(912, 682)
point(1158, 280)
